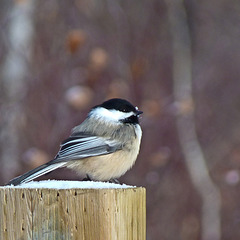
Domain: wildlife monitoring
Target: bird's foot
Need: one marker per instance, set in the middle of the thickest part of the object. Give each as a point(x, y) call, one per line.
point(88, 178)
point(114, 180)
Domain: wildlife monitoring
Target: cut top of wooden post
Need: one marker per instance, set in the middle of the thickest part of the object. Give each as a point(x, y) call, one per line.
point(73, 213)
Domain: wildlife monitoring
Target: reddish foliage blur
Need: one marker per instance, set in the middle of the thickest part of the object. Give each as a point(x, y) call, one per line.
point(84, 52)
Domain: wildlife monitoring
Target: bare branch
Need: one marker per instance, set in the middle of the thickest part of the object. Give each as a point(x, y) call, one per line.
point(192, 151)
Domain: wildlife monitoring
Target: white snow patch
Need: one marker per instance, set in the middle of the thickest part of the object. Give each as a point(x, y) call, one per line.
point(55, 184)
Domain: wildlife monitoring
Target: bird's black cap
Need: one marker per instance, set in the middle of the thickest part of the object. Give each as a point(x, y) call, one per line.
point(118, 104)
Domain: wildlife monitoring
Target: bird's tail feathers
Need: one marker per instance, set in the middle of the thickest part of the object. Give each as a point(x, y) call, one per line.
point(36, 172)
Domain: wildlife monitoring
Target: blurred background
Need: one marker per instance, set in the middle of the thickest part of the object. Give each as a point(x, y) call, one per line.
point(178, 61)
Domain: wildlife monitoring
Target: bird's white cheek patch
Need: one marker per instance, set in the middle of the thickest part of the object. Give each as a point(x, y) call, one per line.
point(110, 115)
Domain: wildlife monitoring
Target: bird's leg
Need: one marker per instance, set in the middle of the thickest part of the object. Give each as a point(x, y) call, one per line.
point(114, 180)
point(88, 178)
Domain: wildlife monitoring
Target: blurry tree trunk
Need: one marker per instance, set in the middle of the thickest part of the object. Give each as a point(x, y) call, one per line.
point(192, 151)
point(14, 73)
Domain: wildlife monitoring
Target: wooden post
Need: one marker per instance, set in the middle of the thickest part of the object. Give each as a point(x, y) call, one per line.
point(79, 214)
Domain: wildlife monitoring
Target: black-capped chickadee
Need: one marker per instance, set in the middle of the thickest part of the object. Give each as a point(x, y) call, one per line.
point(103, 147)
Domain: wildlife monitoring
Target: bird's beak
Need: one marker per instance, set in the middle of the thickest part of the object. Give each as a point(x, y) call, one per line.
point(138, 112)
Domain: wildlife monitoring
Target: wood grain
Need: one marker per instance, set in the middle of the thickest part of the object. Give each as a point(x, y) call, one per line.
point(73, 214)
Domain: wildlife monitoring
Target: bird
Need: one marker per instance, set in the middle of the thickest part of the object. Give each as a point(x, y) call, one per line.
point(103, 147)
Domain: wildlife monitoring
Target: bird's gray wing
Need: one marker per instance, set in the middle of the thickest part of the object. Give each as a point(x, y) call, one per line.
point(76, 147)
point(82, 145)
